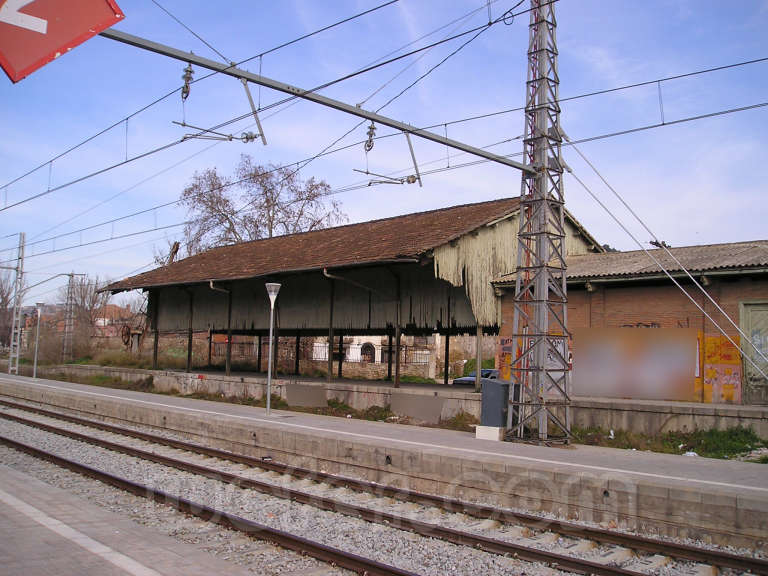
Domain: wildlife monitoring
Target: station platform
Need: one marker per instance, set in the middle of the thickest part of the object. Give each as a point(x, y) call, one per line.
point(45, 530)
point(716, 500)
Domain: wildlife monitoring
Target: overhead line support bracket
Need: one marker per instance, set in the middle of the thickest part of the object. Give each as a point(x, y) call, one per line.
point(307, 95)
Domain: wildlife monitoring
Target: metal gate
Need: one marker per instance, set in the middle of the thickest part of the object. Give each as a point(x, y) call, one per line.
point(754, 323)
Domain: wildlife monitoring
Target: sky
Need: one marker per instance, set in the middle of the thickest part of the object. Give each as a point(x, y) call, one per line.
point(695, 182)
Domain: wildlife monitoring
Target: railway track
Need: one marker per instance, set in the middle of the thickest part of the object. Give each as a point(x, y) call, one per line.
point(625, 554)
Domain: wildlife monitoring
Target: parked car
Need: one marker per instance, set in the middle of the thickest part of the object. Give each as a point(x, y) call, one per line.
point(489, 373)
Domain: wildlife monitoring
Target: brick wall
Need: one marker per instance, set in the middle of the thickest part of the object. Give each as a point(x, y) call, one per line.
point(663, 305)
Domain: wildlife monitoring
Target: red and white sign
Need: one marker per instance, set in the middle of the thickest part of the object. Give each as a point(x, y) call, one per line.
point(34, 32)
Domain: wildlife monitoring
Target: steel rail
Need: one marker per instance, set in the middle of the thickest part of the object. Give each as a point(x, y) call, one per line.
point(641, 543)
point(334, 556)
point(492, 545)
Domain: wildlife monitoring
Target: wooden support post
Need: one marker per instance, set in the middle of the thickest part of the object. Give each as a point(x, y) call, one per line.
point(276, 341)
point(446, 360)
point(446, 363)
point(258, 355)
point(298, 351)
point(229, 333)
point(341, 353)
point(330, 334)
point(189, 330)
point(389, 355)
point(210, 346)
point(478, 358)
point(397, 337)
point(397, 355)
point(155, 301)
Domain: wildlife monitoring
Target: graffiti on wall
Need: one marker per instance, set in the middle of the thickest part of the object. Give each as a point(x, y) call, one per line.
point(722, 371)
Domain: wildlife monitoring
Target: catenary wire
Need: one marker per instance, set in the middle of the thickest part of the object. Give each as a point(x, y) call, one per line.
point(666, 272)
point(460, 19)
point(188, 29)
point(168, 94)
point(664, 247)
point(218, 126)
point(176, 142)
point(353, 187)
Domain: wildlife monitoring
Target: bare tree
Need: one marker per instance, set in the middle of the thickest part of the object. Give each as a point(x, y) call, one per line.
point(89, 305)
point(273, 201)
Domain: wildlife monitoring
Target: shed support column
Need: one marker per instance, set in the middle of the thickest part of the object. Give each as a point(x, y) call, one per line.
point(155, 299)
point(258, 354)
point(229, 332)
point(397, 337)
point(276, 341)
point(298, 350)
point(330, 335)
point(189, 331)
point(210, 346)
point(478, 357)
point(446, 363)
point(389, 355)
point(341, 353)
point(397, 355)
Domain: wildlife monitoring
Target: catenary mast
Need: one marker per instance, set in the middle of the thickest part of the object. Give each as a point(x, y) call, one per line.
point(539, 362)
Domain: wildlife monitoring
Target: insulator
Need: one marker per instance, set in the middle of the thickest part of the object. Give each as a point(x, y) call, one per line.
point(371, 133)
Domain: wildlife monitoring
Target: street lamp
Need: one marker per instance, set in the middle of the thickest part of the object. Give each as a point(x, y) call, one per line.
point(272, 289)
point(37, 337)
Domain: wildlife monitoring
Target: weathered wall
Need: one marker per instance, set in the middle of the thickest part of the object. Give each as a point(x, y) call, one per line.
point(662, 305)
point(473, 260)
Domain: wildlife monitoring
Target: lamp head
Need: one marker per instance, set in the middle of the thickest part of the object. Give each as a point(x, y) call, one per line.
point(272, 289)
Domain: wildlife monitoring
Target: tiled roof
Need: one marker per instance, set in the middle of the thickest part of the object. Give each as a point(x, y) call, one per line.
point(399, 238)
point(637, 264)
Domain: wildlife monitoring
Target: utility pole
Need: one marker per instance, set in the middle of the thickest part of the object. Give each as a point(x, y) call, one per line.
point(16, 327)
point(69, 321)
point(540, 366)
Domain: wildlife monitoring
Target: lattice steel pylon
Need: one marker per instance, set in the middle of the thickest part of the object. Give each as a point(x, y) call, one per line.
point(69, 322)
point(18, 296)
point(540, 364)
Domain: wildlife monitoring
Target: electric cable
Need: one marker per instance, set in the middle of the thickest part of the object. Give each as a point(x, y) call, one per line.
point(663, 269)
point(104, 253)
point(188, 29)
point(667, 250)
point(167, 95)
point(355, 186)
point(218, 126)
point(460, 19)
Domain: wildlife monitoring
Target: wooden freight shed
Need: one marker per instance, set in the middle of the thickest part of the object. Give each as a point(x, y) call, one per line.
point(415, 274)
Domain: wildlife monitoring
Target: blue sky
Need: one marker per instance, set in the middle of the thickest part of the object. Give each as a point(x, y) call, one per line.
point(694, 183)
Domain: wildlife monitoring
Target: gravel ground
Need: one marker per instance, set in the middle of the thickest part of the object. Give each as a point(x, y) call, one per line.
point(408, 551)
point(256, 556)
point(543, 540)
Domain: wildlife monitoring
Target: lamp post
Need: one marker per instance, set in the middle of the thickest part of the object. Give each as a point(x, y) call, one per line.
point(37, 338)
point(272, 289)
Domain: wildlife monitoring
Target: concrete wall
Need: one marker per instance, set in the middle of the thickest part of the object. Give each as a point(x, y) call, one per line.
point(633, 415)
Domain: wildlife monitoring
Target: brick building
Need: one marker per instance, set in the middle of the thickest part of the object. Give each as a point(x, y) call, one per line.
point(622, 309)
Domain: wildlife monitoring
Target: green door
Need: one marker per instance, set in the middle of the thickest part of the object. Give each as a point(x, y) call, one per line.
point(754, 323)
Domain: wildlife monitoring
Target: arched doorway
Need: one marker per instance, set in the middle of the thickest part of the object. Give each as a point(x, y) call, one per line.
point(368, 352)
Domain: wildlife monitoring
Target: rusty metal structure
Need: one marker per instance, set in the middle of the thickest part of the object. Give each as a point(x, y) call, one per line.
point(540, 366)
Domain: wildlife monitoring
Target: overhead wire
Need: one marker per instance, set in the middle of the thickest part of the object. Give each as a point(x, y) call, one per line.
point(168, 94)
point(231, 121)
point(664, 270)
point(101, 203)
point(664, 247)
point(352, 187)
point(188, 29)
